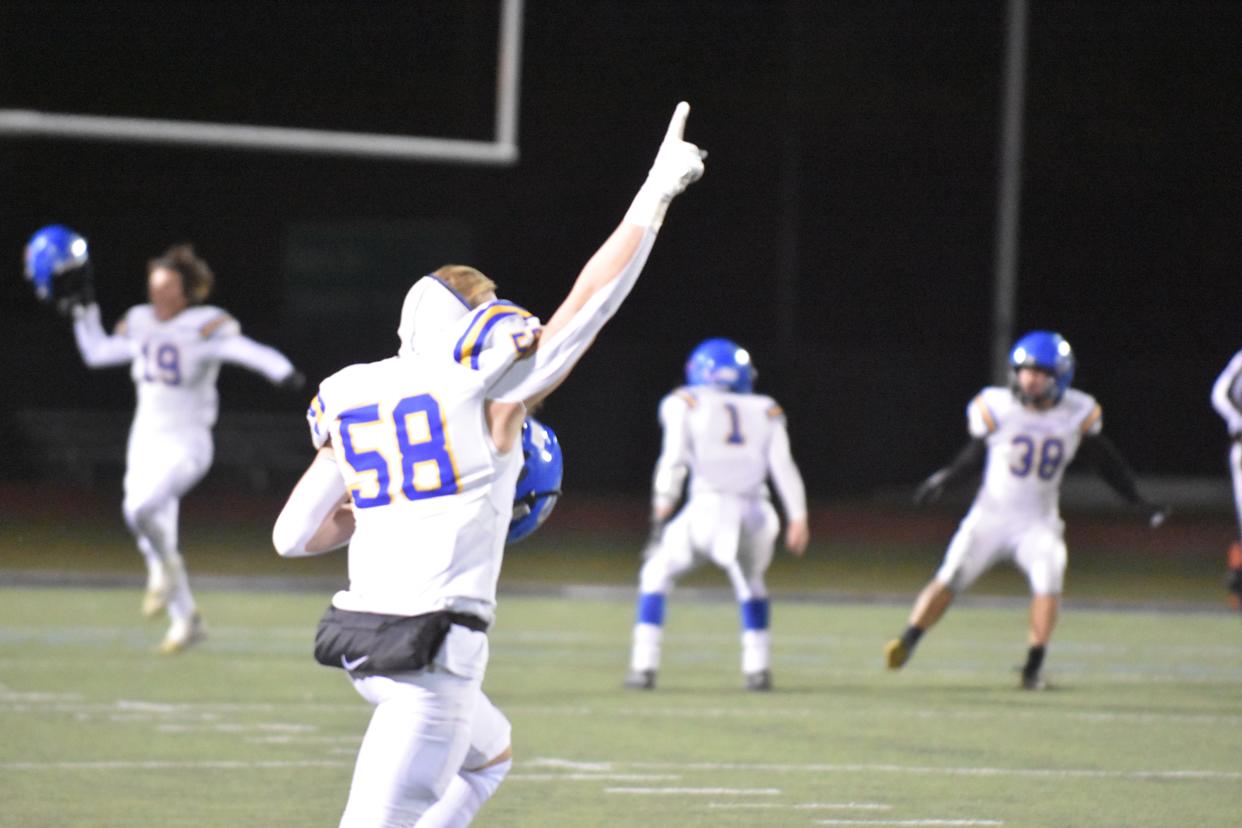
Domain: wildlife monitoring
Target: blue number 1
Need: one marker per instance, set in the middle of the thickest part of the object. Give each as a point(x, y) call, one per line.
point(735, 432)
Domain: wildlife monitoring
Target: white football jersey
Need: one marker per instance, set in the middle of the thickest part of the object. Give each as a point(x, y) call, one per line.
point(1227, 395)
point(174, 364)
point(730, 443)
point(1028, 449)
point(432, 496)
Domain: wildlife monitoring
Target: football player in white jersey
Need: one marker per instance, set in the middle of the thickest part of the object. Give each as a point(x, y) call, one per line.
point(416, 466)
point(1227, 400)
point(728, 441)
point(174, 346)
point(1029, 432)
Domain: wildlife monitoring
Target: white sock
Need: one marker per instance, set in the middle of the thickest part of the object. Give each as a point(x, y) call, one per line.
point(756, 651)
point(646, 652)
point(181, 605)
point(465, 796)
point(155, 564)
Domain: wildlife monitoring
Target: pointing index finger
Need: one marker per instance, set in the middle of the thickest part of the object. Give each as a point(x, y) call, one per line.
point(677, 126)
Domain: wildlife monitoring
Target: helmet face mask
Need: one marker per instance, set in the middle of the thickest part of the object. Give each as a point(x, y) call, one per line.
point(539, 482)
point(721, 363)
point(1049, 353)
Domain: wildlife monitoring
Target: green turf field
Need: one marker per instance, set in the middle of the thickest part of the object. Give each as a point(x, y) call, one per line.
point(246, 730)
point(1141, 730)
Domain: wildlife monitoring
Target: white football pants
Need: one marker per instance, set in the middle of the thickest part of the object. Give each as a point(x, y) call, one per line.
point(160, 468)
point(984, 538)
point(427, 726)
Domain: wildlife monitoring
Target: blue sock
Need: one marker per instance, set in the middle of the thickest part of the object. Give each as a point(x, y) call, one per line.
point(755, 613)
point(651, 608)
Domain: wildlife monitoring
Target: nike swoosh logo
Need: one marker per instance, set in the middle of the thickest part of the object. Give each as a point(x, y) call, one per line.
point(355, 664)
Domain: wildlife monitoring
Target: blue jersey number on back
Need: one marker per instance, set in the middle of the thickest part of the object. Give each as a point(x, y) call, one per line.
point(413, 432)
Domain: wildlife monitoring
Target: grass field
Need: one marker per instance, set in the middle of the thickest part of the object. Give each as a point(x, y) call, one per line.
point(1141, 728)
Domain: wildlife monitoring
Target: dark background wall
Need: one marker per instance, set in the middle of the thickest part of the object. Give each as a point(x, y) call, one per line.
point(844, 231)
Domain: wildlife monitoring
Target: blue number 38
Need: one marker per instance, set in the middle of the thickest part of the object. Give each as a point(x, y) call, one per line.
point(1043, 458)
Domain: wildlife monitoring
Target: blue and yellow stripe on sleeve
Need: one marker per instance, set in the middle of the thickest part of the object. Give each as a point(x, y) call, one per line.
point(470, 345)
point(314, 416)
point(985, 413)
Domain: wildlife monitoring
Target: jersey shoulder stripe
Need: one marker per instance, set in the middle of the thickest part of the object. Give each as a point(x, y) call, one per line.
point(1091, 419)
point(314, 418)
point(985, 413)
point(211, 328)
point(687, 397)
point(483, 321)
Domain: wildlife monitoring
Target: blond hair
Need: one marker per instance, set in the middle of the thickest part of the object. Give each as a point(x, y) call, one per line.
point(469, 283)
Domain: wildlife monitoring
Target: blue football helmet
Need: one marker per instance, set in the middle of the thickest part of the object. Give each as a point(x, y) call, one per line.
point(539, 483)
point(52, 251)
point(721, 363)
point(1047, 351)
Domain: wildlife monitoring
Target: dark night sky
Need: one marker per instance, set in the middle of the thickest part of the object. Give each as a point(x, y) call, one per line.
point(852, 172)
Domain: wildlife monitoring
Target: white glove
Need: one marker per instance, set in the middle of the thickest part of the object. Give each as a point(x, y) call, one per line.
point(677, 165)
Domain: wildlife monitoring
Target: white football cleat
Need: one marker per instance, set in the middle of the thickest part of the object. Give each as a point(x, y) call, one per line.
point(182, 635)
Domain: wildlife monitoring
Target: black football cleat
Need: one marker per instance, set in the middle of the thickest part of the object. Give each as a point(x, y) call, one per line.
point(641, 680)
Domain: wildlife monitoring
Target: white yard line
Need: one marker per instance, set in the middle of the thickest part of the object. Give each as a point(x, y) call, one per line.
point(1103, 716)
point(920, 770)
point(592, 777)
point(909, 822)
point(585, 771)
point(696, 791)
point(800, 806)
point(154, 710)
point(219, 764)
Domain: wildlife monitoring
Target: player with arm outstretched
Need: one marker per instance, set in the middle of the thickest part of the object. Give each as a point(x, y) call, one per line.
point(728, 441)
point(1027, 434)
point(416, 469)
point(174, 346)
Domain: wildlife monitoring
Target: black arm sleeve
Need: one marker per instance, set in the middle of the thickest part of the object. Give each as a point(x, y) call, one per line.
point(1100, 452)
point(966, 461)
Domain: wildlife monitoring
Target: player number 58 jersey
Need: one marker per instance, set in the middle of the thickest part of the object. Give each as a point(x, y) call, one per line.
point(432, 497)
